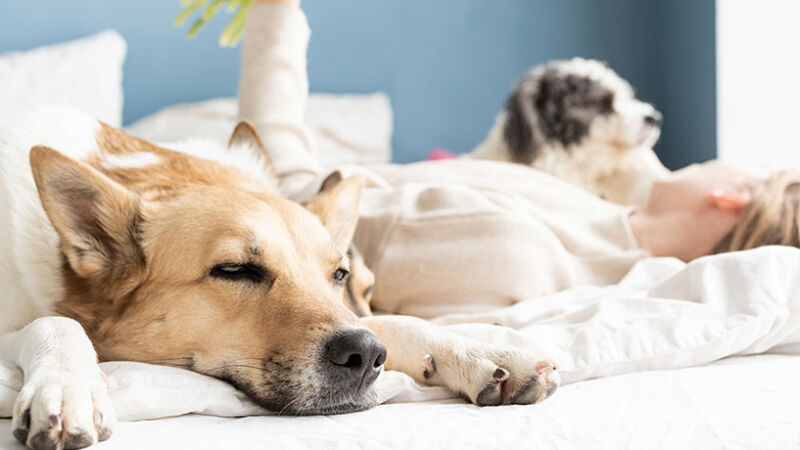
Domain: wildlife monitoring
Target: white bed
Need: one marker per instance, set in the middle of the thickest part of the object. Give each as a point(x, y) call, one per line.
point(746, 402)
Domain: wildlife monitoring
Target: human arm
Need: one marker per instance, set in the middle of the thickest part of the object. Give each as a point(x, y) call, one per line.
point(273, 90)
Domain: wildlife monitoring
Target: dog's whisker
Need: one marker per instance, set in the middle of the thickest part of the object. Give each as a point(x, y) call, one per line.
point(287, 405)
point(228, 366)
point(176, 362)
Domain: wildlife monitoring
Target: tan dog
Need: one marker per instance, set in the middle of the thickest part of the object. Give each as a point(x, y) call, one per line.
point(188, 259)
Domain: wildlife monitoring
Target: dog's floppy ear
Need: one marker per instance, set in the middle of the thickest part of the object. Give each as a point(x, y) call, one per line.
point(96, 218)
point(337, 207)
point(246, 136)
point(521, 129)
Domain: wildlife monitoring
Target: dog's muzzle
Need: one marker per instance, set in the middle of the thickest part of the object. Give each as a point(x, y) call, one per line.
point(654, 119)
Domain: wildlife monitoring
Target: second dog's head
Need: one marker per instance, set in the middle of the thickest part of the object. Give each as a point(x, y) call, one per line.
point(567, 103)
point(580, 121)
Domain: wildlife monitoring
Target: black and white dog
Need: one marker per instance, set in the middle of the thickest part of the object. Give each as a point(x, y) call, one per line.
point(578, 120)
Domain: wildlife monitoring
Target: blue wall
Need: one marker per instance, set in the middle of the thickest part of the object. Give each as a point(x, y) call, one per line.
point(687, 81)
point(447, 64)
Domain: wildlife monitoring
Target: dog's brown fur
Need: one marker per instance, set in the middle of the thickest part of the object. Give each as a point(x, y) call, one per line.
point(140, 246)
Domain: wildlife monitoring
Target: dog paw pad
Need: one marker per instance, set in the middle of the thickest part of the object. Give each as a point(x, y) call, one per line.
point(21, 431)
point(78, 439)
point(528, 393)
point(44, 440)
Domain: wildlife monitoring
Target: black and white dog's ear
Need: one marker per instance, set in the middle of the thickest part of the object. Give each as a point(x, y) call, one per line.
point(521, 129)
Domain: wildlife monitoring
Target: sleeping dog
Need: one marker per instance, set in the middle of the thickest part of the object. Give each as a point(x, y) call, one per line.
point(119, 249)
point(579, 121)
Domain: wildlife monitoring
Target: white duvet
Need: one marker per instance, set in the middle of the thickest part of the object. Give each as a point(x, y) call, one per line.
point(664, 315)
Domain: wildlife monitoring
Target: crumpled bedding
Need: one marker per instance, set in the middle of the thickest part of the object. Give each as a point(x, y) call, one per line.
point(663, 315)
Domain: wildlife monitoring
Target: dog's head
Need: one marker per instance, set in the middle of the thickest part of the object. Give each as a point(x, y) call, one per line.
point(568, 103)
point(183, 263)
point(577, 106)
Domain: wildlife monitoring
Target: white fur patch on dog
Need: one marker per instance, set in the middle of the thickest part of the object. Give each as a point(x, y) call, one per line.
point(130, 161)
point(30, 266)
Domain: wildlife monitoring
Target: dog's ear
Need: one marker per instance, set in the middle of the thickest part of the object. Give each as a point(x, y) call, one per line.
point(521, 128)
point(246, 136)
point(331, 181)
point(96, 218)
point(337, 207)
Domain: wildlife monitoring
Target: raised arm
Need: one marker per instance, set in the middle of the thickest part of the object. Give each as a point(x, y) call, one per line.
point(273, 89)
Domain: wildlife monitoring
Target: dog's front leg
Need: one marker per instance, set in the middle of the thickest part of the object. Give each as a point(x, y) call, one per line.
point(64, 400)
point(485, 374)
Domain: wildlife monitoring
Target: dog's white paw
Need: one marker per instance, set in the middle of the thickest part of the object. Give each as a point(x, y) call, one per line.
point(65, 409)
point(488, 375)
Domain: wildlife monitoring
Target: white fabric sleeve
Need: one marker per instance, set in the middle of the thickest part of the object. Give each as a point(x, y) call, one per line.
point(273, 91)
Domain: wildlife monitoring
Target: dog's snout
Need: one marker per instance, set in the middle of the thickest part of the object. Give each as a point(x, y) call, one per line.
point(654, 118)
point(357, 356)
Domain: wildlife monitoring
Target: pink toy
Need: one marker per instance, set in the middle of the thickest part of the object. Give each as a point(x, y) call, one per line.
point(438, 154)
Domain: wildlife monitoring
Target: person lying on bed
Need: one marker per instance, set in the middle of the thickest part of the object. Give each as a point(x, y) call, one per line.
point(469, 235)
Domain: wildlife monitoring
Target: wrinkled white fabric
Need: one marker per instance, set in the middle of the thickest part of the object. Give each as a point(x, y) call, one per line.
point(665, 314)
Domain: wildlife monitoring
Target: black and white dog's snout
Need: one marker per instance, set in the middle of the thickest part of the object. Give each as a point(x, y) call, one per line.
point(654, 119)
point(354, 359)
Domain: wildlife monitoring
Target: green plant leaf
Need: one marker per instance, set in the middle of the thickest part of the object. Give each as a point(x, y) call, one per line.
point(233, 31)
point(190, 7)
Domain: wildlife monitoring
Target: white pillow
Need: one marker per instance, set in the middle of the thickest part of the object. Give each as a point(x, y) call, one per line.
point(85, 73)
point(345, 128)
point(142, 391)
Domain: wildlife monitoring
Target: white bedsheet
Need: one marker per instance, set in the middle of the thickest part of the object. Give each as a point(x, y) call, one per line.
point(739, 403)
point(664, 315)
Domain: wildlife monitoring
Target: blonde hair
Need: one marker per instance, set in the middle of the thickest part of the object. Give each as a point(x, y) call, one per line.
point(771, 218)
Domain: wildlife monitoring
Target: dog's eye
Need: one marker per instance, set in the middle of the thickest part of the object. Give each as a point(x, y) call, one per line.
point(252, 273)
point(340, 275)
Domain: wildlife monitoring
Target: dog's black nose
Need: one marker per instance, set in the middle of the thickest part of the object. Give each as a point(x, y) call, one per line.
point(356, 356)
point(654, 118)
